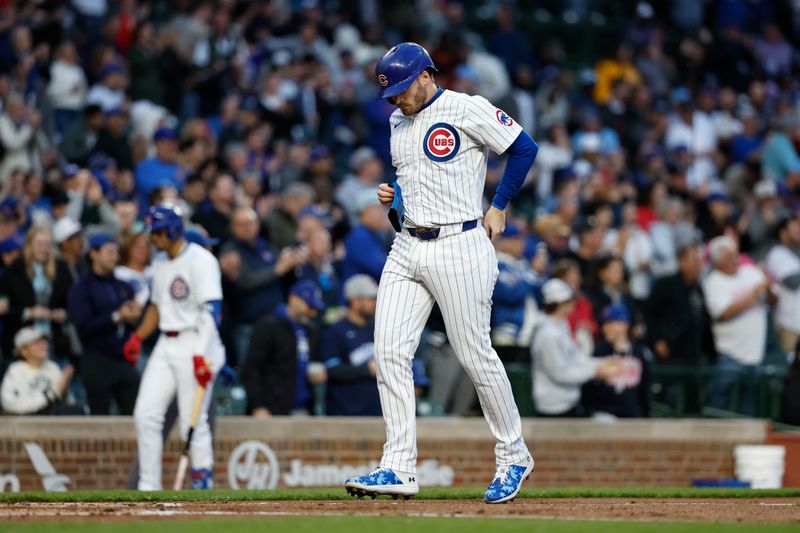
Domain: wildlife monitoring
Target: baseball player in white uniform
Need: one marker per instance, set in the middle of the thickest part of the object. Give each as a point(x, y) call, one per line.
point(185, 307)
point(443, 252)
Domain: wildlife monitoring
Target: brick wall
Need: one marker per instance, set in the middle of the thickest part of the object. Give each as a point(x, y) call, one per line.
point(97, 453)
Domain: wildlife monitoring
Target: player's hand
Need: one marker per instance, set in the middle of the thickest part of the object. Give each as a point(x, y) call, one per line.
point(133, 348)
point(385, 194)
point(494, 222)
point(201, 371)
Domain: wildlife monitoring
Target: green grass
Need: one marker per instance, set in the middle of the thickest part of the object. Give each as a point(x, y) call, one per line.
point(349, 524)
point(427, 494)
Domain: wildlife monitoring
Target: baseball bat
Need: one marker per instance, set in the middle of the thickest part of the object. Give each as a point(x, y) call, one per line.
point(183, 463)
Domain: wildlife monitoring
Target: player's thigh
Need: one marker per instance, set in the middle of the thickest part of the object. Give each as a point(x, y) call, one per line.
point(402, 308)
point(157, 387)
point(461, 272)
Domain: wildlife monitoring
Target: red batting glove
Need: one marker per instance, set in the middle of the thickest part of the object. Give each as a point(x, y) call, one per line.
point(133, 348)
point(201, 371)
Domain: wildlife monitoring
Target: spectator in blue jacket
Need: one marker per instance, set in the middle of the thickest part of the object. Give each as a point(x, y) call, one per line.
point(258, 285)
point(347, 349)
point(366, 249)
point(163, 169)
point(104, 311)
point(514, 307)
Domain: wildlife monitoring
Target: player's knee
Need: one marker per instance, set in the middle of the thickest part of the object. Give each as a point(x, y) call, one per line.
point(144, 419)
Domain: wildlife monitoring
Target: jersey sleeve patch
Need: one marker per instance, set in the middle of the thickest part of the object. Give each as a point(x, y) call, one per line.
point(503, 118)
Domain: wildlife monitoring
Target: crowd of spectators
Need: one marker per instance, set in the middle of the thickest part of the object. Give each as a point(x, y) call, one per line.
point(658, 226)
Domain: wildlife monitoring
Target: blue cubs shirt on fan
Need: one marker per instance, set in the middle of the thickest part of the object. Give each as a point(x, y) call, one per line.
point(440, 154)
point(346, 350)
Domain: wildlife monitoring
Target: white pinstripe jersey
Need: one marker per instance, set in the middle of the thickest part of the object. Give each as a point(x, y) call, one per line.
point(440, 154)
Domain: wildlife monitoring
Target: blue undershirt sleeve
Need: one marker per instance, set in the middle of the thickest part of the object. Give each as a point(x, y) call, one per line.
point(521, 155)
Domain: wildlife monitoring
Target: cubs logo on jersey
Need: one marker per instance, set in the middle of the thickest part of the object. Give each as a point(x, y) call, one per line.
point(441, 142)
point(503, 118)
point(179, 289)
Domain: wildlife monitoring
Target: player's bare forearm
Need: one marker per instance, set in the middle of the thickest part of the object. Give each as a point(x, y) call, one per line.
point(149, 323)
point(494, 222)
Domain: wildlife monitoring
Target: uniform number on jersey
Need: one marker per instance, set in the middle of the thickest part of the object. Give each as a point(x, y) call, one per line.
point(441, 143)
point(179, 289)
point(502, 118)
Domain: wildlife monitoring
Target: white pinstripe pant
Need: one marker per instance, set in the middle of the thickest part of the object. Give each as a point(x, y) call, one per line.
point(459, 273)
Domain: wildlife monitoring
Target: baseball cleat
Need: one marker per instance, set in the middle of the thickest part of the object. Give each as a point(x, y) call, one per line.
point(202, 479)
point(383, 482)
point(507, 482)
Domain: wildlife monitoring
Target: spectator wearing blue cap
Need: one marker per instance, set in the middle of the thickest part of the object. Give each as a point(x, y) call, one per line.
point(104, 311)
point(81, 136)
point(162, 169)
point(626, 395)
point(693, 129)
point(514, 307)
point(283, 361)
point(113, 138)
point(716, 215)
point(109, 91)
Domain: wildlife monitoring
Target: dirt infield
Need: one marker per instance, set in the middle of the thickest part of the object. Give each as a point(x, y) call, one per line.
point(784, 511)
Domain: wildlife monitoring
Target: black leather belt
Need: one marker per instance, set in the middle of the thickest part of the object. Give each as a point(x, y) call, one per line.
point(429, 234)
point(171, 333)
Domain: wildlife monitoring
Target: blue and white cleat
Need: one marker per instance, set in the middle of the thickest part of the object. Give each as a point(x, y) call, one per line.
point(202, 479)
point(507, 482)
point(383, 482)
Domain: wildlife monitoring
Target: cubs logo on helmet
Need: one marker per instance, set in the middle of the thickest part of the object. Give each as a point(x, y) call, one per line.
point(441, 143)
point(383, 80)
point(503, 119)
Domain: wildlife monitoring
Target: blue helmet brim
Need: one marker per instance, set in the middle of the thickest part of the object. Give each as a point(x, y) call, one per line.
point(397, 88)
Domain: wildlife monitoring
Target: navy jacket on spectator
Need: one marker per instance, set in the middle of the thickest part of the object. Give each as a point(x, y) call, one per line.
point(259, 289)
point(366, 253)
point(269, 374)
point(92, 301)
point(629, 402)
point(18, 287)
point(352, 390)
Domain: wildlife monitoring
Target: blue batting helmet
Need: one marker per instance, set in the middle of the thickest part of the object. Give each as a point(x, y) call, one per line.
point(165, 217)
point(400, 66)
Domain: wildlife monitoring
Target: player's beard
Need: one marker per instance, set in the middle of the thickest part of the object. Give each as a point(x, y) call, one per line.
point(418, 99)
